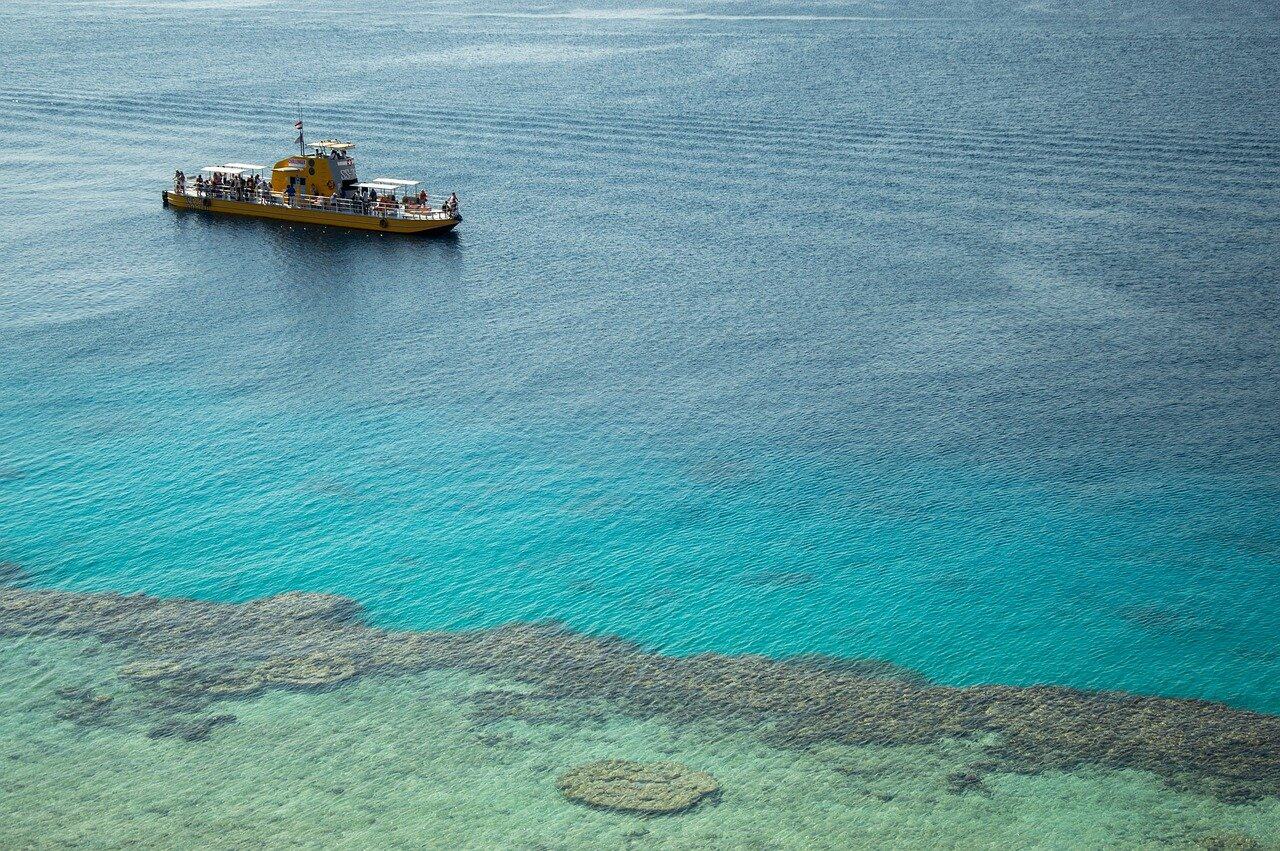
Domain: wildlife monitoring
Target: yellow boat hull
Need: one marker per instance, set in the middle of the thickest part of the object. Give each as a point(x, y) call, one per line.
point(306, 216)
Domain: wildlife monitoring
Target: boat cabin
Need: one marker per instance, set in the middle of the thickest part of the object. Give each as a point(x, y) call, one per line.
point(327, 169)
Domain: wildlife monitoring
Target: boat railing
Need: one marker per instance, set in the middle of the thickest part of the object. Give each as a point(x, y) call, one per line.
point(377, 209)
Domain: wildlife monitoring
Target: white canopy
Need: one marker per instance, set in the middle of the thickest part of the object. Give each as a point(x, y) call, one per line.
point(230, 168)
point(332, 144)
point(391, 181)
point(245, 166)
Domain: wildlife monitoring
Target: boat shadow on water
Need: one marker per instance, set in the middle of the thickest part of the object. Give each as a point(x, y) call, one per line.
point(316, 232)
point(319, 249)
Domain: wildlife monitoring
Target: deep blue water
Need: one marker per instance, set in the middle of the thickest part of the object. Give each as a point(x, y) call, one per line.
point(947, 336)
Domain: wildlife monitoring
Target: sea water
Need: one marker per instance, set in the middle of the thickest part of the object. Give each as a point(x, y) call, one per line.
point(943, 334)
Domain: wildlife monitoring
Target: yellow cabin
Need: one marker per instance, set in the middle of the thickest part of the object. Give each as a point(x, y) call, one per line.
point(318, 186)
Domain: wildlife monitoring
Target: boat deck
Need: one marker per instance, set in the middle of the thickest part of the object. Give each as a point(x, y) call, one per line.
point(363, 214)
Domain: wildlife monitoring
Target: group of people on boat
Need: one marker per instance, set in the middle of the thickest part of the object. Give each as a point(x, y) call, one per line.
point(233, 187)
point(255, 189)
point(420, 203)
point(450, 205)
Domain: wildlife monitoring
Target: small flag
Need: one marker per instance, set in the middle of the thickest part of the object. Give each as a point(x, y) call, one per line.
point(297, 125)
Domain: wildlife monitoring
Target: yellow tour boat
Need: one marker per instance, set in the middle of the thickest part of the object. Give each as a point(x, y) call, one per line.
point(316, 187)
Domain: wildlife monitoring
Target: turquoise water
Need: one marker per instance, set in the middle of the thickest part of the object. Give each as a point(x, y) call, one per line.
point(941, 334)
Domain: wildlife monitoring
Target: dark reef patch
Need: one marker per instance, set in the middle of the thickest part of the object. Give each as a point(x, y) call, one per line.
point(13, 574)
point(84, 707)
point(960, 782)
point(872, 669)
point(185, 648)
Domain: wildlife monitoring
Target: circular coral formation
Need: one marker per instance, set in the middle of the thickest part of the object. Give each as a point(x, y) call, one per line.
point(314, 671)
point(653, 788)
point(151, 669)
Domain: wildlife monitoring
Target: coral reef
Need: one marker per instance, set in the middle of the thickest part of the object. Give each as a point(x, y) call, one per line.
point(959, 782)
point(13, 574)
point(231, 683)
point(654, 788)
point(314, 671)
point(84, 707)
point(301, 605)
point(872, 669)
point(179, 678)
point(151, 669)
point(192, 652)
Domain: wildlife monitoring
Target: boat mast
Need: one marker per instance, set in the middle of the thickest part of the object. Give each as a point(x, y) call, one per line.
point(302, 148)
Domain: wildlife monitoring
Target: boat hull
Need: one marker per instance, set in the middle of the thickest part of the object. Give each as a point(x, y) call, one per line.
point(305, 216)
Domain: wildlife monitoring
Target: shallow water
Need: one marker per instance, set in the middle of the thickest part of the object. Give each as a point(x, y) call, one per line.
point(402, 762)
point(288, 720)
point(940, 334)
